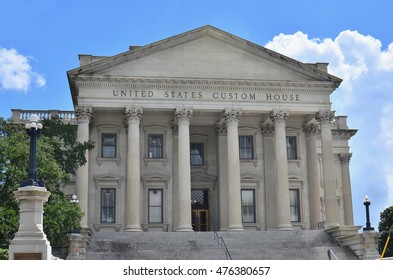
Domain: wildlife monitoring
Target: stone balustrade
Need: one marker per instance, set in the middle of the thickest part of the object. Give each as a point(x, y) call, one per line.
point(23, 116)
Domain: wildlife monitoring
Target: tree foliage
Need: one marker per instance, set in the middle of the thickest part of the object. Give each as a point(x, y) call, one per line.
point(385, 225)
point(58, 156)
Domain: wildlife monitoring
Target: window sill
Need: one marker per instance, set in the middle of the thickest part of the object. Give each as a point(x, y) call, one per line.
point(106, 226)
point(164, 161)
point(199, 168)
point(295, 161)
point(253, 161)
point(155, 227)
point(101, 159)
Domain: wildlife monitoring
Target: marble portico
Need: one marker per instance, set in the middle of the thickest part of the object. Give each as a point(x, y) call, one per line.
point(208, 126)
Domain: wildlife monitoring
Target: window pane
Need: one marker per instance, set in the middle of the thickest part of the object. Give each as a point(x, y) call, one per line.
point(107, 205)
point(291, 147)
point(108, 145)
point(155, 206)
point(246, 147)
point(248, 206)
point(294, 205)
point(155, 149)
point(196, 153)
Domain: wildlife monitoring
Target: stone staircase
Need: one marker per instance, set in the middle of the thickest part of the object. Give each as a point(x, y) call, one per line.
point(273, 245)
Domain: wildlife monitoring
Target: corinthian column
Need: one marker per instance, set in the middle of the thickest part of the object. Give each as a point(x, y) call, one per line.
point(232, 118)
point(183, 117)
point(282, 198)
point(133, 117)
point(329, 181)
point(311, 130)
point(347, 193)
point(83, 116)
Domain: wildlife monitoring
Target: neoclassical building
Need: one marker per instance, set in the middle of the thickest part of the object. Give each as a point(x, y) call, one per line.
point(206, 131)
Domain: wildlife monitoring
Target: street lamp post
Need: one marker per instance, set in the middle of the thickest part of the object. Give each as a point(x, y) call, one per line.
point(367, 202)
point(33, 129)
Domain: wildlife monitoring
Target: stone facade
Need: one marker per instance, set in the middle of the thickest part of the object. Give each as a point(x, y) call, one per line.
point(207, 131)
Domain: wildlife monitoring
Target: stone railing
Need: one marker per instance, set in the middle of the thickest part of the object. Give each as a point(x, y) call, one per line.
point(23, 116)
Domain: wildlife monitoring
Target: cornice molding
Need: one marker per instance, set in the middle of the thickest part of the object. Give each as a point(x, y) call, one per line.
point(203, 84)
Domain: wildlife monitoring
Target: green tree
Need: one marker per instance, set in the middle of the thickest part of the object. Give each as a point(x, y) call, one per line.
point(58, 156)
point(384, 227)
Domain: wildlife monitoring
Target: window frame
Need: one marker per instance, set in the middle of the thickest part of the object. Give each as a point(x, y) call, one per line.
point(253, 206)
point(155, 130)
point(201, 151)
point(296, 206)
point(251, 148)
point(103, 146)
point(149, 206)
point(294, 149)
point(149, 147)
point(113, 207)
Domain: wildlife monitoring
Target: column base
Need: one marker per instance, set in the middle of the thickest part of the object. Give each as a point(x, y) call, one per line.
point(238, 228)
point(285, 227)
point(133, 228)
point(184, 229)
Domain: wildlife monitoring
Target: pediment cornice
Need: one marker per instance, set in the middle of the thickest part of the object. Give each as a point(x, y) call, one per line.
point(203, 84)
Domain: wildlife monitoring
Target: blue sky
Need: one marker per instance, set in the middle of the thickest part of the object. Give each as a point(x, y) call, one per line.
point(40, 41)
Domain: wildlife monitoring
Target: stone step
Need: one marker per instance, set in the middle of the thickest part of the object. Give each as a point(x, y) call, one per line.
point(275, 245)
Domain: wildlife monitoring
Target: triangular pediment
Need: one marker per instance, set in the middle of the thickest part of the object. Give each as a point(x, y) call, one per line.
point(203, 53)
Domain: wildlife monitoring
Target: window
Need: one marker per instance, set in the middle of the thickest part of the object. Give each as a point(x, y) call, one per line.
point(294, 198)
point(155, 206)
point(108, 147)
point(155, 147)
point(196, 151)
point(291, 147)
point(246, 150)
point(108, 199)
point(248, 206)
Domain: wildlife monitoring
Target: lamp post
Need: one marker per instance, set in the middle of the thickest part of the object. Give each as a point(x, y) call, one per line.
point(33, 129)
point(367, 202)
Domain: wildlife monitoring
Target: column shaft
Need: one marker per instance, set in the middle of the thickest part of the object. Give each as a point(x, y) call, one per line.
point(346, 185)
point(234, 191)
point(283, 207)
point(83, 115)
point(183, 117)
point(311, 130)
point(329, 180)
point(133, 223)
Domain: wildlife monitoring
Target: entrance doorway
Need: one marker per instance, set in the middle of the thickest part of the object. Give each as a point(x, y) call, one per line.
point(200, 210)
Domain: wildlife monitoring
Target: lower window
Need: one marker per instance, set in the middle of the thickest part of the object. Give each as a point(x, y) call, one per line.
point(108, 202)
point(294, 199)
point(248, 206)
point(155, 206)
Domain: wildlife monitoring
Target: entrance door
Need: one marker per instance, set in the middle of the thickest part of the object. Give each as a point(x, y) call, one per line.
point(200, 210)
point(200, 220)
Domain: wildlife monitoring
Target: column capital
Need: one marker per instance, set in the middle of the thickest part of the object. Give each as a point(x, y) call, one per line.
point(133, 113)
point(183, 114)
point(324, 117)
point(232, 115)
point(221, 128)
point(267, 129)
point(278, 117)
point(345, 157)
point(83, 113)
point(311, 129)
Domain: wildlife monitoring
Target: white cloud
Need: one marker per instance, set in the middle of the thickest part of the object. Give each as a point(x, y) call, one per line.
point(16, 72)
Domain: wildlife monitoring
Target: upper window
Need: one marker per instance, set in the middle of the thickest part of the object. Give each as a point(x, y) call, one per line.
point(248, 206)
point(155, 147)
point(291, 147)
point(246, 149)
point(196, 154)
point(108, 147)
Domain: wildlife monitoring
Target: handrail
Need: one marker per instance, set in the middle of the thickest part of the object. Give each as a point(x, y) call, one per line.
point(221, 245)
point(332, 255)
